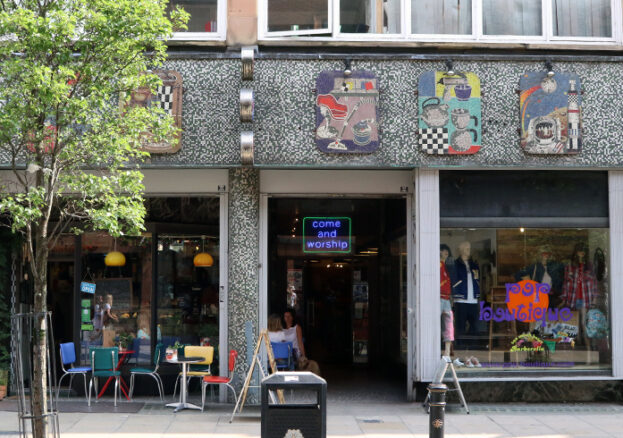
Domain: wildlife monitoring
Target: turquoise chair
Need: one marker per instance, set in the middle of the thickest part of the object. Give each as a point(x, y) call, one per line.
point(153, 372)
point(103, 363)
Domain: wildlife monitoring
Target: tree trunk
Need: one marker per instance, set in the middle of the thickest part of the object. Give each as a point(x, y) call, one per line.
point(39, 385)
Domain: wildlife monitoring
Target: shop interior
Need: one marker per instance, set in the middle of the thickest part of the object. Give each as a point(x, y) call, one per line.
point(341, 265)
point(160, 287)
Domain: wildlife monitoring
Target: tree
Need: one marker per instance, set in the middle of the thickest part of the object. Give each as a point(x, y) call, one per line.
point(66, 68)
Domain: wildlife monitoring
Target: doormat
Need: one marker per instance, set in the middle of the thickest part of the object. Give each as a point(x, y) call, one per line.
point(77, 406)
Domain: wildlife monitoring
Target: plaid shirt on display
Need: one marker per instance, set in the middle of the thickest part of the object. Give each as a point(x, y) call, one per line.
point(579, 284)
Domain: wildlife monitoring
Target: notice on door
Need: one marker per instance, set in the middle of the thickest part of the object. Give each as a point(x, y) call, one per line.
point(326, 234)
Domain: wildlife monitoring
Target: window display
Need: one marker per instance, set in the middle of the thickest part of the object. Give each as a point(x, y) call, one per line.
point(525, 298)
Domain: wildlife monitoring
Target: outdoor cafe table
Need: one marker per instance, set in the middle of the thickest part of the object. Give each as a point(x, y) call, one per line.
point(184, 361)
point(123, 358)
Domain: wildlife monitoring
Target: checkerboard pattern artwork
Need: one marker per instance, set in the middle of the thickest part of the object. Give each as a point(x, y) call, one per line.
point(165, 98)
point(434, 141)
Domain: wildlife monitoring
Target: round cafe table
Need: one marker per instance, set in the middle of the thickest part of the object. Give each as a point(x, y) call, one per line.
point(184, 361)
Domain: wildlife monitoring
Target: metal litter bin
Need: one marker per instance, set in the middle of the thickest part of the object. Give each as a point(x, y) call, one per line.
point(304, 413)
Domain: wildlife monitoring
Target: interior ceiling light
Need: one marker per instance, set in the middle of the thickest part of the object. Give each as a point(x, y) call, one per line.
point(203, 259)
point(114, 258)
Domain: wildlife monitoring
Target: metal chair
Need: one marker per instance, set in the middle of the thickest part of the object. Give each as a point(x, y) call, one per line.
point(198, 369)
point(282, 351)
point(68, 357)
point(221, 380)
point(104, 361)
point(149, 372)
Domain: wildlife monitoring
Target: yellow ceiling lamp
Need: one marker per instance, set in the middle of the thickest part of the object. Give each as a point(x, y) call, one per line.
point(203, 259)
point(115, 258)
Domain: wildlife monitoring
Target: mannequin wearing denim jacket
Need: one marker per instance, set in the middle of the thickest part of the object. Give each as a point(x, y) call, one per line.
point(466, 293)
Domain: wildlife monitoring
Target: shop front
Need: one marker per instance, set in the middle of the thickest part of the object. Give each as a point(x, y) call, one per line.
point(162, 287)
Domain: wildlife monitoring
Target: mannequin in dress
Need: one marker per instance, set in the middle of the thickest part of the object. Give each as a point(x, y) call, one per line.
point(579, 289)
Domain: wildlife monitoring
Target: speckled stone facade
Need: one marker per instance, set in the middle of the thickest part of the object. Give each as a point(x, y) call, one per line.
point(285, 118)
point(243, 258)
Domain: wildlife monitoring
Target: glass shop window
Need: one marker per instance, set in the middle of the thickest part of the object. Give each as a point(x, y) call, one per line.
point(525, 298)
point(203, 14)
point(188, 289)
point(121, 271)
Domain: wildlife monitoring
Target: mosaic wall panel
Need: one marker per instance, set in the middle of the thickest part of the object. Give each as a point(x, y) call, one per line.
point(243, 258)
point(285, 115)
point(346, 112)
point(449, 113)
point(210, 120)
point(286, 140)
point(550, 111)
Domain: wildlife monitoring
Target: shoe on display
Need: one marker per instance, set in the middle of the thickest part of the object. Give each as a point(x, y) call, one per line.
point(468, 363)
point(458, 363)
point(475, 362)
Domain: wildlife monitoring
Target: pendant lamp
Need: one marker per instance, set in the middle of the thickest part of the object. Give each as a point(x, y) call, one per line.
point(114, 258)
point(203, 259)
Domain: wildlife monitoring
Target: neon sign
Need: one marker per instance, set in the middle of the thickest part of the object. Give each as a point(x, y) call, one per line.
point(526, 301)
point(326, 234)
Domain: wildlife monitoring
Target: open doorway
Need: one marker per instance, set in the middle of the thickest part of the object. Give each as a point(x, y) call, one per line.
point(341, 264)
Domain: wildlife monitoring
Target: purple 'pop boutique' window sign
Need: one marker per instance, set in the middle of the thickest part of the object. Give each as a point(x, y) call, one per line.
point(347, 112)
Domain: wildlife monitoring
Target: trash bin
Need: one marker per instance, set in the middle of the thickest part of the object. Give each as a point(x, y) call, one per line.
point(304, 413)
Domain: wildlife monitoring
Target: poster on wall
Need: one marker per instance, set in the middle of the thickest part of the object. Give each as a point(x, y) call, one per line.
point(168, 97)
point(449, 113)
point(347, 112)
point(550, 111)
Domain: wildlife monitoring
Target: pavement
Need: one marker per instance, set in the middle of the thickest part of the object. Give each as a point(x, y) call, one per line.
point(352, 419)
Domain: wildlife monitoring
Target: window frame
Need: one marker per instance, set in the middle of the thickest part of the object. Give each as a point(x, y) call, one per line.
point(221, 26)
point(405, 36)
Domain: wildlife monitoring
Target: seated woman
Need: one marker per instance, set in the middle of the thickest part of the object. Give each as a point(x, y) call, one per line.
point(276, 333)
point(293, 333)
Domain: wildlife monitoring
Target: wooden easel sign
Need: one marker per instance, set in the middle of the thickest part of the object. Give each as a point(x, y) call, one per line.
point(257, 359)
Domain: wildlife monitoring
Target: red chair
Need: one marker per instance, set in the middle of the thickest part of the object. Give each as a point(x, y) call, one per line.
point(221, 380)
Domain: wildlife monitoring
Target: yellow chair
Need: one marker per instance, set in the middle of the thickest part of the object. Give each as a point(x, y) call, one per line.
point(197, 369)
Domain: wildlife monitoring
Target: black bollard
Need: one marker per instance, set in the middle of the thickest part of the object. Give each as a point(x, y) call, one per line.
point(437, 392)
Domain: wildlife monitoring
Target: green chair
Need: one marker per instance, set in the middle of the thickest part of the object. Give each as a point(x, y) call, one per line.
point(103, 363)
point(149, 372)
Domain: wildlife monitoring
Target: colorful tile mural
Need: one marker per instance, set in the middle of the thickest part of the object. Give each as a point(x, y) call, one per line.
point(346, 112)
point(449, 113)
point(168, 97)
point(550, 110)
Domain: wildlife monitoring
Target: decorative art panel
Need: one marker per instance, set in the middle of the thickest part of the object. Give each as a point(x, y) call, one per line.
point(347, 112)
point(449, 113)
point(168, 97)
point(550, 110)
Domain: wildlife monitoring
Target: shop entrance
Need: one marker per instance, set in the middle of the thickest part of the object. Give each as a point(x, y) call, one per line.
point(341, 263)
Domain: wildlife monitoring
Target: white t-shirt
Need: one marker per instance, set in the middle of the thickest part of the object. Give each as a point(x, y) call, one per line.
point(277, 336)
point(290, 335)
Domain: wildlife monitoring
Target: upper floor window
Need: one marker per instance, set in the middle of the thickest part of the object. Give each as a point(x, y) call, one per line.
point(207, 19)
point(443, 20)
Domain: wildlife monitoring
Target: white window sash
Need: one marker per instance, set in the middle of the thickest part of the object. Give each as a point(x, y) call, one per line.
point(263, 22)
point(332, 33)
point(221, 26)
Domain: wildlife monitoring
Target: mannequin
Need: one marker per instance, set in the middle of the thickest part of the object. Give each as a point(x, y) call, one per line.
point(579, 289)
point(466, 294)
point(545, 270)
point(447, 318)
